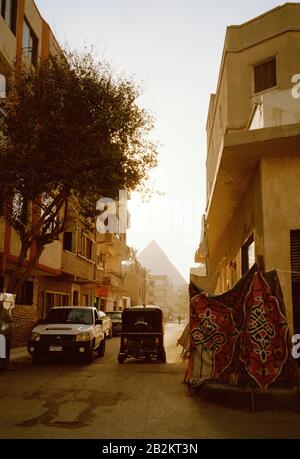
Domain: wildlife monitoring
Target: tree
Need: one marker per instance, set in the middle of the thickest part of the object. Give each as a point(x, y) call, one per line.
point(72, 133)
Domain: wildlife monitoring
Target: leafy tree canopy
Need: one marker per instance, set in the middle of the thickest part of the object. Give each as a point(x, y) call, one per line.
point(72, 133)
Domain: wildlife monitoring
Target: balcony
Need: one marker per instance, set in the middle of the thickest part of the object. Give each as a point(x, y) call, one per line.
point(110, 243)
point(276, 108)
point(112, 279)
point(99, 275)
point(78, 267)
point(239, 160)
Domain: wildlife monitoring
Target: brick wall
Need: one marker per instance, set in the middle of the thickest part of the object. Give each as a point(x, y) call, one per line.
point(24, 320)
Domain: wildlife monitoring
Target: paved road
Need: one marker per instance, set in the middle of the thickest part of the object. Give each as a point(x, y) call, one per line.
point(106, 400)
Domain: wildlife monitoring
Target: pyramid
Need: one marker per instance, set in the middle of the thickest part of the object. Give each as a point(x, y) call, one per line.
point(156, 261)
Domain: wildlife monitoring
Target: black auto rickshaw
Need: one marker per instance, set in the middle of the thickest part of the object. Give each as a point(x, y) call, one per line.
point(142, 334)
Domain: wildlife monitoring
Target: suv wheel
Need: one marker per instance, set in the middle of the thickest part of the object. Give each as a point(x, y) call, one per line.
point(88, 358)
point(101, 348)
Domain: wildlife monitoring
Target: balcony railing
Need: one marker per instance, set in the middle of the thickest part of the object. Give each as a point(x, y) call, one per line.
point(110, 243)
point(112, 279)
point(77, 266)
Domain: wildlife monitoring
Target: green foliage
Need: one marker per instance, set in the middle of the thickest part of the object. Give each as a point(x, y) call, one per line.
point(72, 133)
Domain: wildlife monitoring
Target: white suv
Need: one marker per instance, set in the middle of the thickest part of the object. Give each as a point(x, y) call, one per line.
point(70, 331)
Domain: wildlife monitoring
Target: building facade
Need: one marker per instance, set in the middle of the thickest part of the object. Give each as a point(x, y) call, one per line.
point(79, 268)
point(113, 250)
point(161, 292)
point(136, 282)
point(24, 35)
point(253, 162)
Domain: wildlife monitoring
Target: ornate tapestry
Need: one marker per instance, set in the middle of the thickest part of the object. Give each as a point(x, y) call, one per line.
point(241, 337)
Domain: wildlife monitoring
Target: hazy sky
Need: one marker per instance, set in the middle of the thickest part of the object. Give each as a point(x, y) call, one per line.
point(174, 47)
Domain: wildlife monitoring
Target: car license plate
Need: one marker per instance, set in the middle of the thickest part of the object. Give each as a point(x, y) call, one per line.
point(55, 349)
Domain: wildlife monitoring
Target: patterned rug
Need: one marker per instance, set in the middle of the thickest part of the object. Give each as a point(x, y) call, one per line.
point(241, 337)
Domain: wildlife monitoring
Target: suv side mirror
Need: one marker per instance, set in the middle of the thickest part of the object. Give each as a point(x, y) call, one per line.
point(99, 322)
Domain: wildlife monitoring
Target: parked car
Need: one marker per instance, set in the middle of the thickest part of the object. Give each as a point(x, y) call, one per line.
point(142, 334)
point(70, 331)
point(116, 318)
point(106, 324)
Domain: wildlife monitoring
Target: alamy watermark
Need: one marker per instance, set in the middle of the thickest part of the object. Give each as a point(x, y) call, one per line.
point(113, 215)
point(296, 348)
point(296, 88)
point(164, 215)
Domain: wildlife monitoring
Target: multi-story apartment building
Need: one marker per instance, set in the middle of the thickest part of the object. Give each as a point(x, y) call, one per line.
point(24, 35)
point(78, 268)
point(253, 161)
point(161, 292)
point(136, 282)
point(113, 251)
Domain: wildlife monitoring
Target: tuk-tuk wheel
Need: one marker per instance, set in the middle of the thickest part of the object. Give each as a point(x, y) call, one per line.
point(88, 358)
point(35, 359)
point(163, 358)
point(121, 360)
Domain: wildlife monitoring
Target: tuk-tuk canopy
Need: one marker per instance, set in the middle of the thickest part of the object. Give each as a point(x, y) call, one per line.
point(142, 319)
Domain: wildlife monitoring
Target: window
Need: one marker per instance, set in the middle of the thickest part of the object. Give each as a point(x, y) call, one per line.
point(68, 241)
point(75, 298)
point(8, 10)
point(25, 295)
point(57, 300)
point(101, 259)
point(248, 255)
point(295, 268)
point(295, 253)
point(29, 43)
point(265, 75)
point(2, 86)
point(49, 301)
point(61, 300)
point(86, 247)
point(102, 304)
point(96, 316)
point(85, 300)
point(89, 249)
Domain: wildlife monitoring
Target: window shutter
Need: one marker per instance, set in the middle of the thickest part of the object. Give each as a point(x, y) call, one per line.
point(295, 254)
point(265, 75)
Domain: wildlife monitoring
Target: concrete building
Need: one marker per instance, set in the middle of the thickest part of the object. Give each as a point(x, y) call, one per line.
point(79, 268)
point(24, 35)
point(161, 292)
point(113, 250)
point(136, 282)
point(253, 161)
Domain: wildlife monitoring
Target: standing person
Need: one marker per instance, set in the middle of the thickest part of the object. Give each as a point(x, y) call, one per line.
point(179, 320)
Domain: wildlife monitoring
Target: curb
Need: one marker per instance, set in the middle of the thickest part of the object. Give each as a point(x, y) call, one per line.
point(19, 353)
point(274, 399)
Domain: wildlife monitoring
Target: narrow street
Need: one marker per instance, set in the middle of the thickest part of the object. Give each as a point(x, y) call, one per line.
point(132, 401)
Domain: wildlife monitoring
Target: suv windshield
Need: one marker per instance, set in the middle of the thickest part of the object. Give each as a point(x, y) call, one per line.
point(69, 316)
